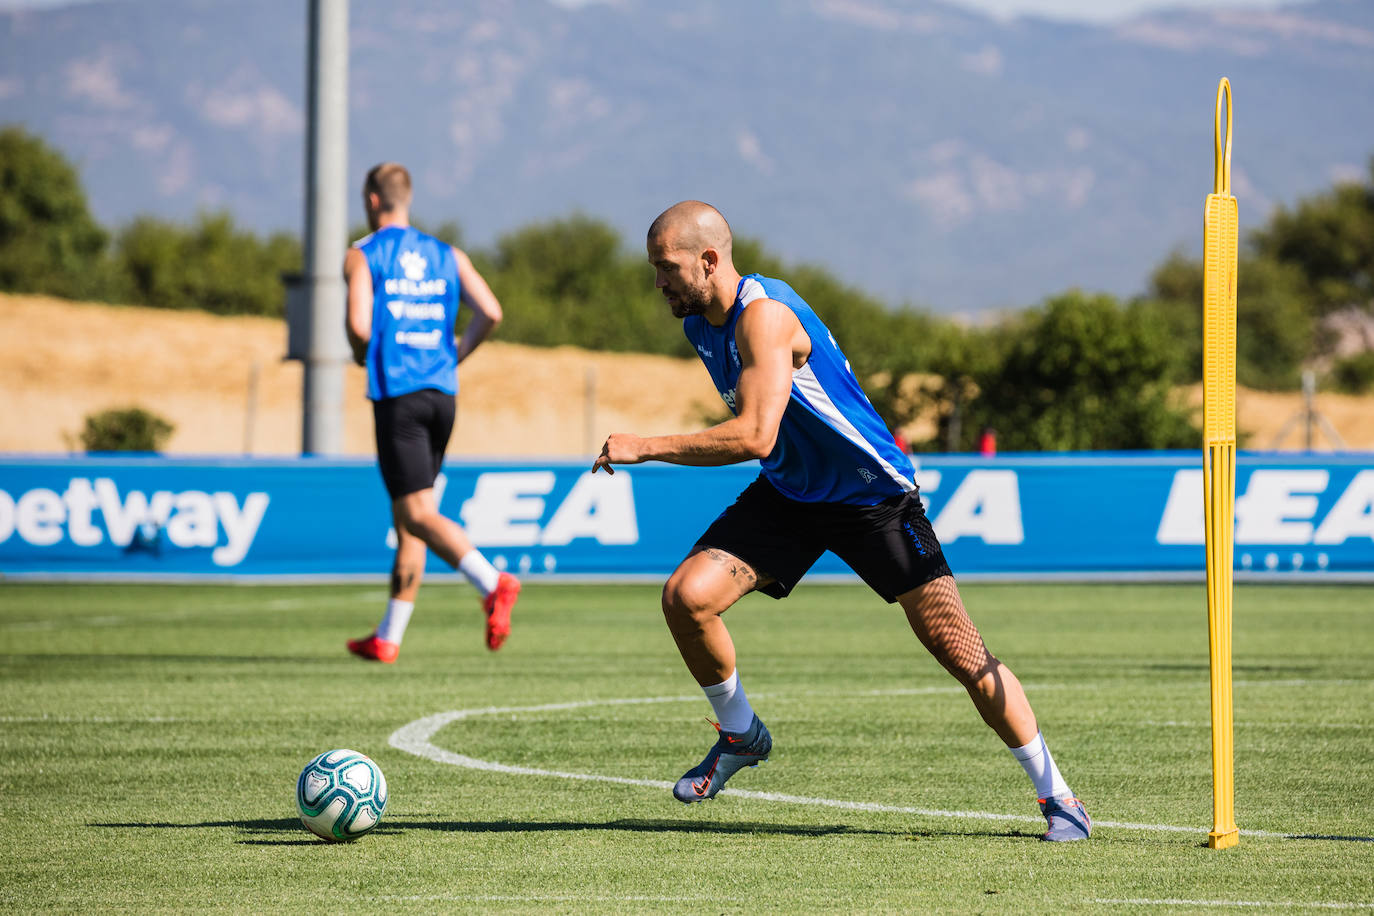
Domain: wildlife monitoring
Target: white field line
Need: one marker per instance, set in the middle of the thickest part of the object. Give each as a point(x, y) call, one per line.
point(1173, 724)
point(1302, 682)
point(87, 720)
point(1274, 905)
point(414, 738)
point(539, 898)
point(201, 610)
point(74, 622)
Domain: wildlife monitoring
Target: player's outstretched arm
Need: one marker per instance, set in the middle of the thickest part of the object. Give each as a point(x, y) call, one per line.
point(358, 320)
point(477, 295)
point(768, 336)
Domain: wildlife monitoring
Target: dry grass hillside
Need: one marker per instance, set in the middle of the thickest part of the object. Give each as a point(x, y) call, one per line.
point(60, 361)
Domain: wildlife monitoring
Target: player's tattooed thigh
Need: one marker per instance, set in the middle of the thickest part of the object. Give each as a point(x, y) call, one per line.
point(739, 570)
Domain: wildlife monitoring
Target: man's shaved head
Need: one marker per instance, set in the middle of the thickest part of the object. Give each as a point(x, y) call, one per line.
point(693, 225)
point(689, 245)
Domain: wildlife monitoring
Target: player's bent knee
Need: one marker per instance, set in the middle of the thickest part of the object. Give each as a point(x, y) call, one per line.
point(418, 519)
point(686, 604)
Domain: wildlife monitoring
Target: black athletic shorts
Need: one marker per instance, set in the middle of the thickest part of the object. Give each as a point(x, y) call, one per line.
point(891, 545)
point(412, 434)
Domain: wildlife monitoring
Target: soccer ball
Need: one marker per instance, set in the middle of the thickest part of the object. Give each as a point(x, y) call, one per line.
point(341, 795)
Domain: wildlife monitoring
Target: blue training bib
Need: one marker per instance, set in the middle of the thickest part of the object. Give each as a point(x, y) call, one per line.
point(832, 446)
point(415, 296)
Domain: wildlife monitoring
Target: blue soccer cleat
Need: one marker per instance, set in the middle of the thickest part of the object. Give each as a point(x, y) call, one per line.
point(1068, 820)
point(732, 752)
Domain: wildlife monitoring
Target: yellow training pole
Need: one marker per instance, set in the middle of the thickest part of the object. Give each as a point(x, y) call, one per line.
point(1219, 459)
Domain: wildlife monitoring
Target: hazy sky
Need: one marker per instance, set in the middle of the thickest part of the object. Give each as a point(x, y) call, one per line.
point(1081, 10)
point(1104, 10)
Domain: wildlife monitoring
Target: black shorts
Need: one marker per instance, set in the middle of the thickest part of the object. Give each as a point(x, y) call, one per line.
point(891, 545)
point(412, 434)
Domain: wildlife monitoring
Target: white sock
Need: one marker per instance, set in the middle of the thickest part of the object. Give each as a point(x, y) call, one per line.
point(479, 572)
point(393, 625)
point(1035, 759)
point(730, 705)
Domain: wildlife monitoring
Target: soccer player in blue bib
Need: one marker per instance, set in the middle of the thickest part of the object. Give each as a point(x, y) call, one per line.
point(832, 479)
point(404, 290)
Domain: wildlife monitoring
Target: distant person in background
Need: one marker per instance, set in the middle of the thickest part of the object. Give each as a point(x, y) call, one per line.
point(404, 290)
point(987, 442)
point(832, 479)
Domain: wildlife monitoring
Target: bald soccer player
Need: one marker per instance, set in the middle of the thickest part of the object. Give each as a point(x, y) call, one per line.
point(832, 480)
point(404, 291)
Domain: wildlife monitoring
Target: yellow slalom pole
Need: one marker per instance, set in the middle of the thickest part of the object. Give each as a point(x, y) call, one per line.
point(1219, 460)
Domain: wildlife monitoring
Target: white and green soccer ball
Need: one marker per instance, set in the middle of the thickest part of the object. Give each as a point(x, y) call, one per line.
point(341, 795)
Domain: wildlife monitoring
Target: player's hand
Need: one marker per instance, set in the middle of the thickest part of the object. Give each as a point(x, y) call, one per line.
point(620, 448)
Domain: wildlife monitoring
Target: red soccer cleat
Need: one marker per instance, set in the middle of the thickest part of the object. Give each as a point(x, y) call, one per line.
point(498, 606)
point(374, 649)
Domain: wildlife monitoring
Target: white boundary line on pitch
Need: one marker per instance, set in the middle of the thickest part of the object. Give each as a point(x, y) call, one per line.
point(539, 898)
point(414, 738)
point(98, 720)
point(201, 611)
point(1261, 904)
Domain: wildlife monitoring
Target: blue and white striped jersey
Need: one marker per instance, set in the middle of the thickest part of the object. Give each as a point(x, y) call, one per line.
point(415, 294)
point(832, 446)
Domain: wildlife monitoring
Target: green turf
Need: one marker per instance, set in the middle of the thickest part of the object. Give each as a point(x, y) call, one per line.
point(151, 736)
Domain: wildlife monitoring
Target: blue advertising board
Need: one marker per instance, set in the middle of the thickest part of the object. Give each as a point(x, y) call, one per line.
point(1080, 515)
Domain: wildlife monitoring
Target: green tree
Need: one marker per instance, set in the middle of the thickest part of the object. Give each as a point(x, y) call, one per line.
point(1275, 329)
point(1353, 374)
point(209, 265)
point(1078, 373)
point(568, 281)
point(49, 242)
point(1329, 239)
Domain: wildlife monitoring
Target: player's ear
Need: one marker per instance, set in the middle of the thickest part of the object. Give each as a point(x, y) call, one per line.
point(711, 259)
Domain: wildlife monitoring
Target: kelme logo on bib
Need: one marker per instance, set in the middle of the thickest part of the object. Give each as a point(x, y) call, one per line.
point(414, 264)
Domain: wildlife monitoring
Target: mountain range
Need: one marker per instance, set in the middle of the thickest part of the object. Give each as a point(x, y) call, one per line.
point(921, 151)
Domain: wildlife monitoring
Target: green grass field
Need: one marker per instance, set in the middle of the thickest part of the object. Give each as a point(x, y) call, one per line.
point(151, 736)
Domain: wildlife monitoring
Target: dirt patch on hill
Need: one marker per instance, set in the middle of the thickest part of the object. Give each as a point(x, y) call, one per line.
point(224, 385)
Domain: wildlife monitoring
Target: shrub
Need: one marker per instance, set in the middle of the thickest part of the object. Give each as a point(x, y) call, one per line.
point(1354, 374)
point(125, 429)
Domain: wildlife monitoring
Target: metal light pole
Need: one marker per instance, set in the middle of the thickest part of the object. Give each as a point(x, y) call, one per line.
point(326, 227)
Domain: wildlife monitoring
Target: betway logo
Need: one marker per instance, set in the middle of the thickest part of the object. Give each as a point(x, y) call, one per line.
point(1277, 507)
point(190, 518)
point(505, 508)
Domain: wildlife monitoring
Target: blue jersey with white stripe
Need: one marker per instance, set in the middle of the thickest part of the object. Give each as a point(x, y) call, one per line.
point(832, 446)
point(415, 294)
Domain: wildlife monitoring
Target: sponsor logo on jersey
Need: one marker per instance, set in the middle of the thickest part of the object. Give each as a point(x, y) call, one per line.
point(414, 283)
point(414, 264)
point(421, 340)
point(402, 286)
point(416, 311)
